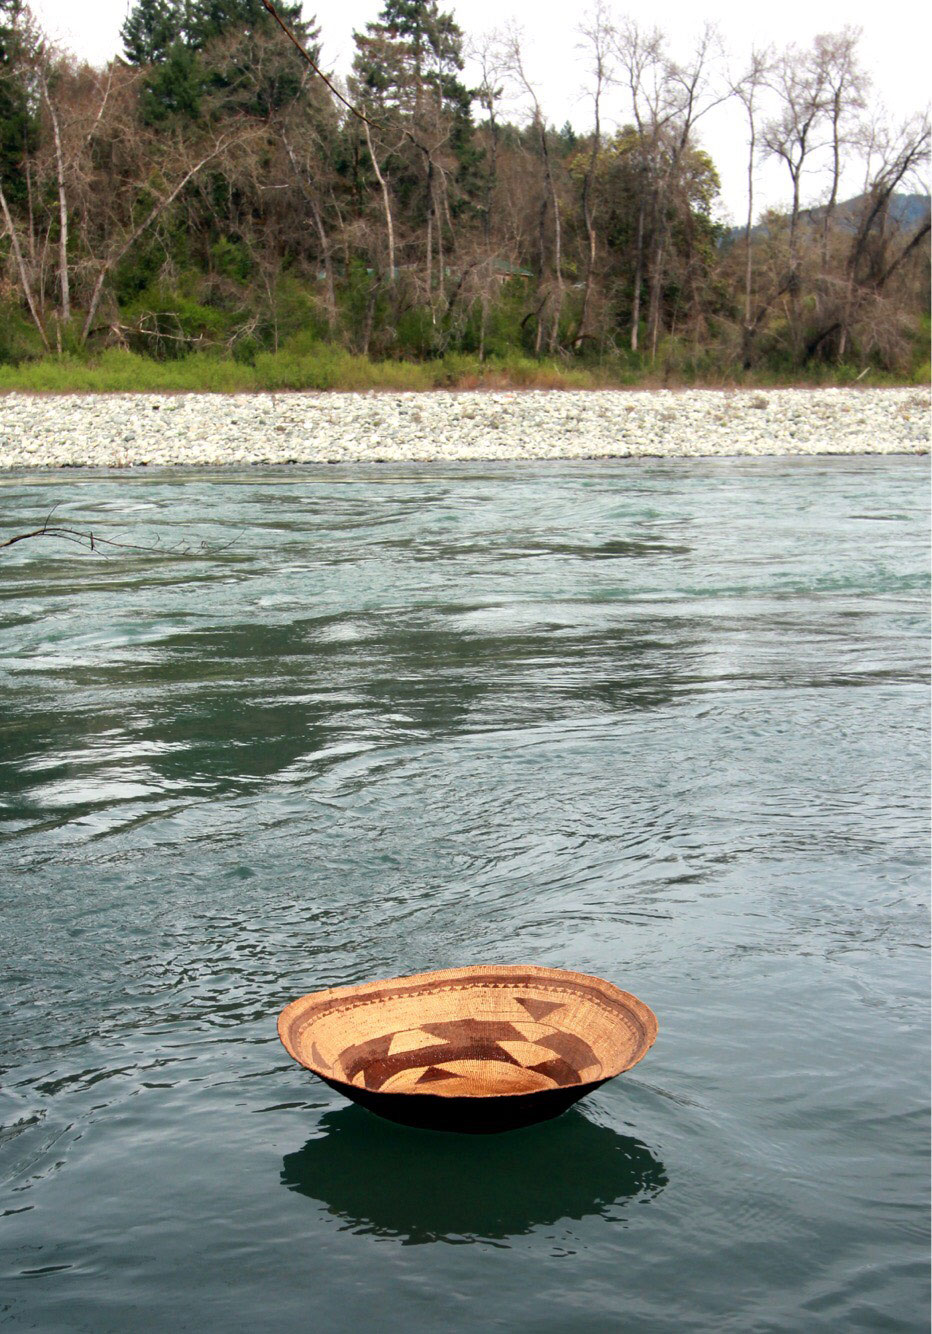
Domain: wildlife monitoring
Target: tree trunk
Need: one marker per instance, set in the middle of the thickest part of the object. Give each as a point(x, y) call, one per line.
point(429, 257)
point(638, 278)
point(491, 178)
point(21, 267)
point(322, 237)
point(370, 319)
point(29, 206)
point(440, 274)
point(656, 287)
point(386, 203)
point(747, 333)
point(328, 265)
point(62, 211)
point(589, 224)
point(557, 243)
point(590, 269)
point(836, 176)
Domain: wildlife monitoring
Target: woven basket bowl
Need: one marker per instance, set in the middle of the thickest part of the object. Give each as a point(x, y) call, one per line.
point(470, 1049)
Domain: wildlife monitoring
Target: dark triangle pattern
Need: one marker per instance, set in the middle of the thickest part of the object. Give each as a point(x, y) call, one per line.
point(432, 1074)
point(538, 1009)
point(560, 1071)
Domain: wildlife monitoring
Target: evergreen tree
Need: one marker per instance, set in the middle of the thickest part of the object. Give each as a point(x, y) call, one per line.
point(406, 70)
point(150, 30)
point(18, 111)
point(174, 87)
point(206, 20)
point(408, 60)
point(180, 40)
point(230, 35)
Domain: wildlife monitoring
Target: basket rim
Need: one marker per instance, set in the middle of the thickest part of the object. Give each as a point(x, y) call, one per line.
point(465, 976)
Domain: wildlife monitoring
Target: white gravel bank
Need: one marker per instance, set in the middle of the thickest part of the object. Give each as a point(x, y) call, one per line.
point(126, 430)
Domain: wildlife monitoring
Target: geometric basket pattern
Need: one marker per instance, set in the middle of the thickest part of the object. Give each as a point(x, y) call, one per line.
point(480, 1032)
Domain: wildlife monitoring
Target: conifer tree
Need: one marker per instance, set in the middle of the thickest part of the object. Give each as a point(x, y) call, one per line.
point(206, 20)
point(406, 70)
point(177, 37)
point(18, 109)
point(150, 30)
point(231, 35)
point(409, 58)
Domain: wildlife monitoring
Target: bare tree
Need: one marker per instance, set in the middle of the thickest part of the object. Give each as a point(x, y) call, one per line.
point(748, 89)
point(800, 83)
point(386, 205)
point(597, 32)
point(843, 85)
point(62, 202)
point(642, 59)
point(878, 251)
point(554, 298)
point(305, 177)
point(690, 96)
point(123, 233)
point(488, 55)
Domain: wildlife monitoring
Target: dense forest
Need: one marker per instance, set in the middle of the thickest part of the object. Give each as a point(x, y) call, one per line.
point(214, 193)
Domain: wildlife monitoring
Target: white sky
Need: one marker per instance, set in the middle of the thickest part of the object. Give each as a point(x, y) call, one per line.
point(894, 50)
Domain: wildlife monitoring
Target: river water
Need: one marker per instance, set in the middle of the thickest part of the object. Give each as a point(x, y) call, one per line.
point(666, 722)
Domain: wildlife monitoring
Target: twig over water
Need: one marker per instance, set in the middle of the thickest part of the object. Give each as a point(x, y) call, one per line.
point(92, 541)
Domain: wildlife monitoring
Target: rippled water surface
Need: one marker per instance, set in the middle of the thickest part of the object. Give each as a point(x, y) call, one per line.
point(663, 722)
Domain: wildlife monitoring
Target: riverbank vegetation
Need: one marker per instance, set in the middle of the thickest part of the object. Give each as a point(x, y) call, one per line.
point(119, 371)
point(209, 212)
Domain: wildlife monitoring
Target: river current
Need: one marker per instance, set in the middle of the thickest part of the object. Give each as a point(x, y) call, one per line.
point(665, 722)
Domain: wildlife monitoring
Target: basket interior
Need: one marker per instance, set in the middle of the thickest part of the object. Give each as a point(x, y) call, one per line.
point(471, 1037)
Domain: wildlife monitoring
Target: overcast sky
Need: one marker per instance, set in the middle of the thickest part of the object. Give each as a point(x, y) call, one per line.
point(894, 50)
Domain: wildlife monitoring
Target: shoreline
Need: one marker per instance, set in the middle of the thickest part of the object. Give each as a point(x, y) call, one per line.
point(481, 390)
point(126, 430)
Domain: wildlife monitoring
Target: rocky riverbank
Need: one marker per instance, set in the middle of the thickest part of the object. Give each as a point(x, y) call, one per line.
point(133, 430)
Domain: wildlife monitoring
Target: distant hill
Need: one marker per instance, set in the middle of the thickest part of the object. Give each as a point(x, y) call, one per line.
point(909, 211)
point(906, 210)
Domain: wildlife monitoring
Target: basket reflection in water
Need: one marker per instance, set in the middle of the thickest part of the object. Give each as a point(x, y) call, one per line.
point(391, 1182)
point(476, 1049)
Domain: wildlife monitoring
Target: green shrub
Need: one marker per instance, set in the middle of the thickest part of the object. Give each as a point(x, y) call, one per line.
point(231, 259)
point(299, 314)
point(19, 337)
point(163, 324)
point(416, 334)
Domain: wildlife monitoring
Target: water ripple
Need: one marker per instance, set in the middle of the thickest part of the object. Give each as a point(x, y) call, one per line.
point(662, 722)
